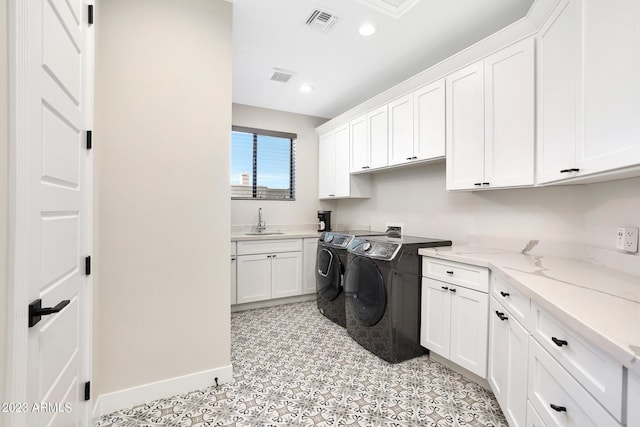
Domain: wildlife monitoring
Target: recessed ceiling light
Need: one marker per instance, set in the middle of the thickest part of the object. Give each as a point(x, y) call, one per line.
point(306, 88)
point(366, 30)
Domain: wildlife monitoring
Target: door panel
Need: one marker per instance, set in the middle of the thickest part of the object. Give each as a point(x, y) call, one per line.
point(286, 274)
point(436, 316)
point(469, 330)
point(429, 121)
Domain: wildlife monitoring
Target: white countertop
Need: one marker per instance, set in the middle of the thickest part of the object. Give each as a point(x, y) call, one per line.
point(601, 304)
point(291, 234)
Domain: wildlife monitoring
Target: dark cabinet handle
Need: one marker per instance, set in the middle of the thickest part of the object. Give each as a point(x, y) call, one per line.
point(36, 311)
point(332, 195)
point(559, 342)
point(414, 158)
point(365, 167)
point(478, 184)
point(558, 408)
point(452, 289)
point(504, 294)
point(485, 183)
point(570, 170)
point(444, 287)
point(408, 158)
point(501, 316)
point(233, 258)
point(449, 272)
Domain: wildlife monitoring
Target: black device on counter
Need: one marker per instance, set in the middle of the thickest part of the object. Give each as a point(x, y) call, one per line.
point(324, 220)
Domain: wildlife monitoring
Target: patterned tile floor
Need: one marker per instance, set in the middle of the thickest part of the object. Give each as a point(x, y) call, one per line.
point(292, 366)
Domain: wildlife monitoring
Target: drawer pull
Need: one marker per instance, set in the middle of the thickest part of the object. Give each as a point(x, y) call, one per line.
point(570, 170)
point(504, 294)
point(501, 316)
point(449, 272)
point(452, 290)
point(444, 287)
point(559, 342)
point(558, 408)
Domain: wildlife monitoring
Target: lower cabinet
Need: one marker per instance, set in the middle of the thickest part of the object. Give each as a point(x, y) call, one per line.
point(266, 276)
point(268, 269)
point(508, 350)
point(558, 398)
point(454, 324)
point(234, 280)
point(533, 419)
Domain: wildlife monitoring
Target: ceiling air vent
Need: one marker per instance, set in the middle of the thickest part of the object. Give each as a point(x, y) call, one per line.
point(321, 20)
point(280, 75)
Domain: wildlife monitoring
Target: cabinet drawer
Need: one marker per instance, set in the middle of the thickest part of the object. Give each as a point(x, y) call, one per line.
point(466, 275)
point(593, 368)
point(512, 300)
point(248, 247)
point(550, 384)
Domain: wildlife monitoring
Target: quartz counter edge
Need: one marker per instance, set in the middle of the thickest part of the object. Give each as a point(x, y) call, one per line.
point(236, 237)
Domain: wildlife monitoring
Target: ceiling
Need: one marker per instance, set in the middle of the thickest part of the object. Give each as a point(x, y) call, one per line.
point(344, 68)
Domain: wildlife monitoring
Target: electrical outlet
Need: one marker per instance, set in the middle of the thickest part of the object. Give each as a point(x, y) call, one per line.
point(627, 239)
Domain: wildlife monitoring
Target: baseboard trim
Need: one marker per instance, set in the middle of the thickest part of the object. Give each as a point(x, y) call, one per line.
point(272, 302)
point(127, 398)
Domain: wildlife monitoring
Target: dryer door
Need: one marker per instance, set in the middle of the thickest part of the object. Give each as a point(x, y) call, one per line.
point(328, 274)
point(364, 285)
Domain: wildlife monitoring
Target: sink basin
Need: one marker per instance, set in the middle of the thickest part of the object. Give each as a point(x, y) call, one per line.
point(263, 233)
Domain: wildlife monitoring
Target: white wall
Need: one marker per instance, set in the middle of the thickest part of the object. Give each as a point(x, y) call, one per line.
point(162, 122)
point(4, 193)
point(304, 209)
point(416, 196)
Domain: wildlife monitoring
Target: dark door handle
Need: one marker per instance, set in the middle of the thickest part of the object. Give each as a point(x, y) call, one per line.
point(477, 184)
point(36, 311)
point(504, 294)
point(559, 342)
point(485, 183)
point(444, 287)
point(501, 316)
point(452, 289)
point(570, 170)
point(449, 272)
point(558, 408)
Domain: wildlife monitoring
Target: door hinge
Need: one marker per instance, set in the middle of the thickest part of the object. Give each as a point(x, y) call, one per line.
point(87, 265)
point(87, 390)
point(90, 14)
point(89, 139)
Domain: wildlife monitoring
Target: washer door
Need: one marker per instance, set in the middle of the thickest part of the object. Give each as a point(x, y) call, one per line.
point(328, 274)
point(364, 285)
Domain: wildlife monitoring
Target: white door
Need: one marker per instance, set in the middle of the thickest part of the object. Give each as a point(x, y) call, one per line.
point(429, 121)
point(401, 130)
point(309, 273)
point(498, 352)
point(253, 278)
point(516, 397)
point(509, 117)
point(469, 329)
point(465, 127)
point(342, 173)
point(359, 144)
point(378, 126)
point(286, 274)
point(59, 108)
point(326, 165)
point(436, 315)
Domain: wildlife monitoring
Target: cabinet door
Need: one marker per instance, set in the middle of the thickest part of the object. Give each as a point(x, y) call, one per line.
point(342, 173)
point(515, 408)
point(401, 130)
point(533, 419)
point(559, 82)
point(378, 136)
point(429, 121)
point(611, 61)
point(359, 144)
point(254, 278)
point(326, 165)
point(465, 128)
point(509, 117)
point(309, 273)
point(435, 316)
point(286, 274)
point(498, 353)
point(469, 329)
point(633, 395)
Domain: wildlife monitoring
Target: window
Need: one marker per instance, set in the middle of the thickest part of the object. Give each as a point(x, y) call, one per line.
point(262, 164)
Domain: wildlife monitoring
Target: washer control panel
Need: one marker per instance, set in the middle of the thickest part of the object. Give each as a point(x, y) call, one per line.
point(336, 240)
point(374, 249)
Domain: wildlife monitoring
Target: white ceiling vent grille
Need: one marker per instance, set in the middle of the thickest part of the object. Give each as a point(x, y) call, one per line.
point(321, 20)
point(395, 8)
point(280, 75)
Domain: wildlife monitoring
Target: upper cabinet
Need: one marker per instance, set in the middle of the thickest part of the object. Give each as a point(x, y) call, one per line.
point(490, 121)
point(589, 98)
point(369, 140)
point(334, 178)
point(401, 130)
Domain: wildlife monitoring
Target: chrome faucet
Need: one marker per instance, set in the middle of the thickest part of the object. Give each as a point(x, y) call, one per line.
point(261, 224)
